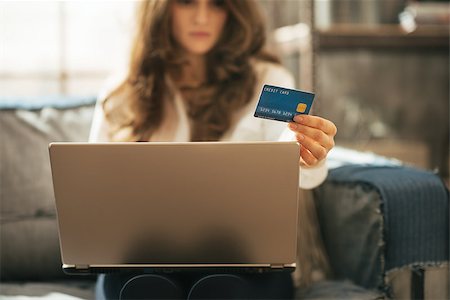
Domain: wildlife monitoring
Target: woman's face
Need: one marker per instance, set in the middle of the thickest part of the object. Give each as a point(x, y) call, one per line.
point(198, 24)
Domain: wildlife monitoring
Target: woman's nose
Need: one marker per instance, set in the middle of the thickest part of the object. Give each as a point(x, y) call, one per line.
point(201, 13)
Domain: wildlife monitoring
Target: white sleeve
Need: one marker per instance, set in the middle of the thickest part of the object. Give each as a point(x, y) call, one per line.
point(99, 127)
point(310, 177)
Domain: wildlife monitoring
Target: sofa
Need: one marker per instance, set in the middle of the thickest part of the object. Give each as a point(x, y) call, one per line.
point(384, 225)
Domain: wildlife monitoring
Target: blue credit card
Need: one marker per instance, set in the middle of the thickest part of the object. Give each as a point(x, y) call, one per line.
point(282, 104)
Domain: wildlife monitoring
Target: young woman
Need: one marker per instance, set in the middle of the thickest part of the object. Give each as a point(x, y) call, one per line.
point(196, 70)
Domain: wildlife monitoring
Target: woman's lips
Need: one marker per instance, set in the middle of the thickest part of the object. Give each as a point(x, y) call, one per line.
point(200, 34)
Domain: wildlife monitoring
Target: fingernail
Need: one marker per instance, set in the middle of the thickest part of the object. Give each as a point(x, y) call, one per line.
point(298, 118)
point(292, 125)
point(301, 136)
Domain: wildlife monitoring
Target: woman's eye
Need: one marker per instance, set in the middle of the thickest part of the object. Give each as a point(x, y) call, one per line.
point(185, 2)
point(218, 3)
point(214, 3)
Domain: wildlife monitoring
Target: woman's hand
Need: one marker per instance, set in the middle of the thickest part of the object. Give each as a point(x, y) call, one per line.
point(315, 135)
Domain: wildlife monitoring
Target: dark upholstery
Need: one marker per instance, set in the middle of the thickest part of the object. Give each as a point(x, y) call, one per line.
point(351, 226)
point(377, 220)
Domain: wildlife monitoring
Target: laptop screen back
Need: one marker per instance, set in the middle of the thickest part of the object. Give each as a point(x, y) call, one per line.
point(122, 204)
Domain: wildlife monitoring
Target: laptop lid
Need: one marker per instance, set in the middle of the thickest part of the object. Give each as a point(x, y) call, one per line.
point(176, 205)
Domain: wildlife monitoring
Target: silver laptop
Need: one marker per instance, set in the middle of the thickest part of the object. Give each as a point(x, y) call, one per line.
point(176, 206)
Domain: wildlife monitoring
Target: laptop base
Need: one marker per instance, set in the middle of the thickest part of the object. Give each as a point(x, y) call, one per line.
point(87, 270)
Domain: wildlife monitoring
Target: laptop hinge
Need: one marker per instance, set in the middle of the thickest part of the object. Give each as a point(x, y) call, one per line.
point(277, 266)
point(81, 267)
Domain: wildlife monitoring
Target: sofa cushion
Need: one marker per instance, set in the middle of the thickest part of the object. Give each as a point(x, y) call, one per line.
point(336, 290)
point(352, 228)
point(29, 241)
point(415, 206)
point(381, 219)
point(57, 289)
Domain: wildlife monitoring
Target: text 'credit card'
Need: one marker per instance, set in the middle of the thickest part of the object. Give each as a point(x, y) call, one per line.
point(282, 104)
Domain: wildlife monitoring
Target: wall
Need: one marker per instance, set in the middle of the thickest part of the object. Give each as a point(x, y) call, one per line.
point(398, 96)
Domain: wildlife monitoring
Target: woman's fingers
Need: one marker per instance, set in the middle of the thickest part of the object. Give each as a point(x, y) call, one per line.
point(318, 151)
point(316, 135)
point(317, 122)
point(307, 157)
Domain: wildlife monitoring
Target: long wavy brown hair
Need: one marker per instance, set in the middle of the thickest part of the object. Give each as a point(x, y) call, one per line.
point(230, 76)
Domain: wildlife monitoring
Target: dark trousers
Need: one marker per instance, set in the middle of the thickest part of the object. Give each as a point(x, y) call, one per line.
point(273, 285)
